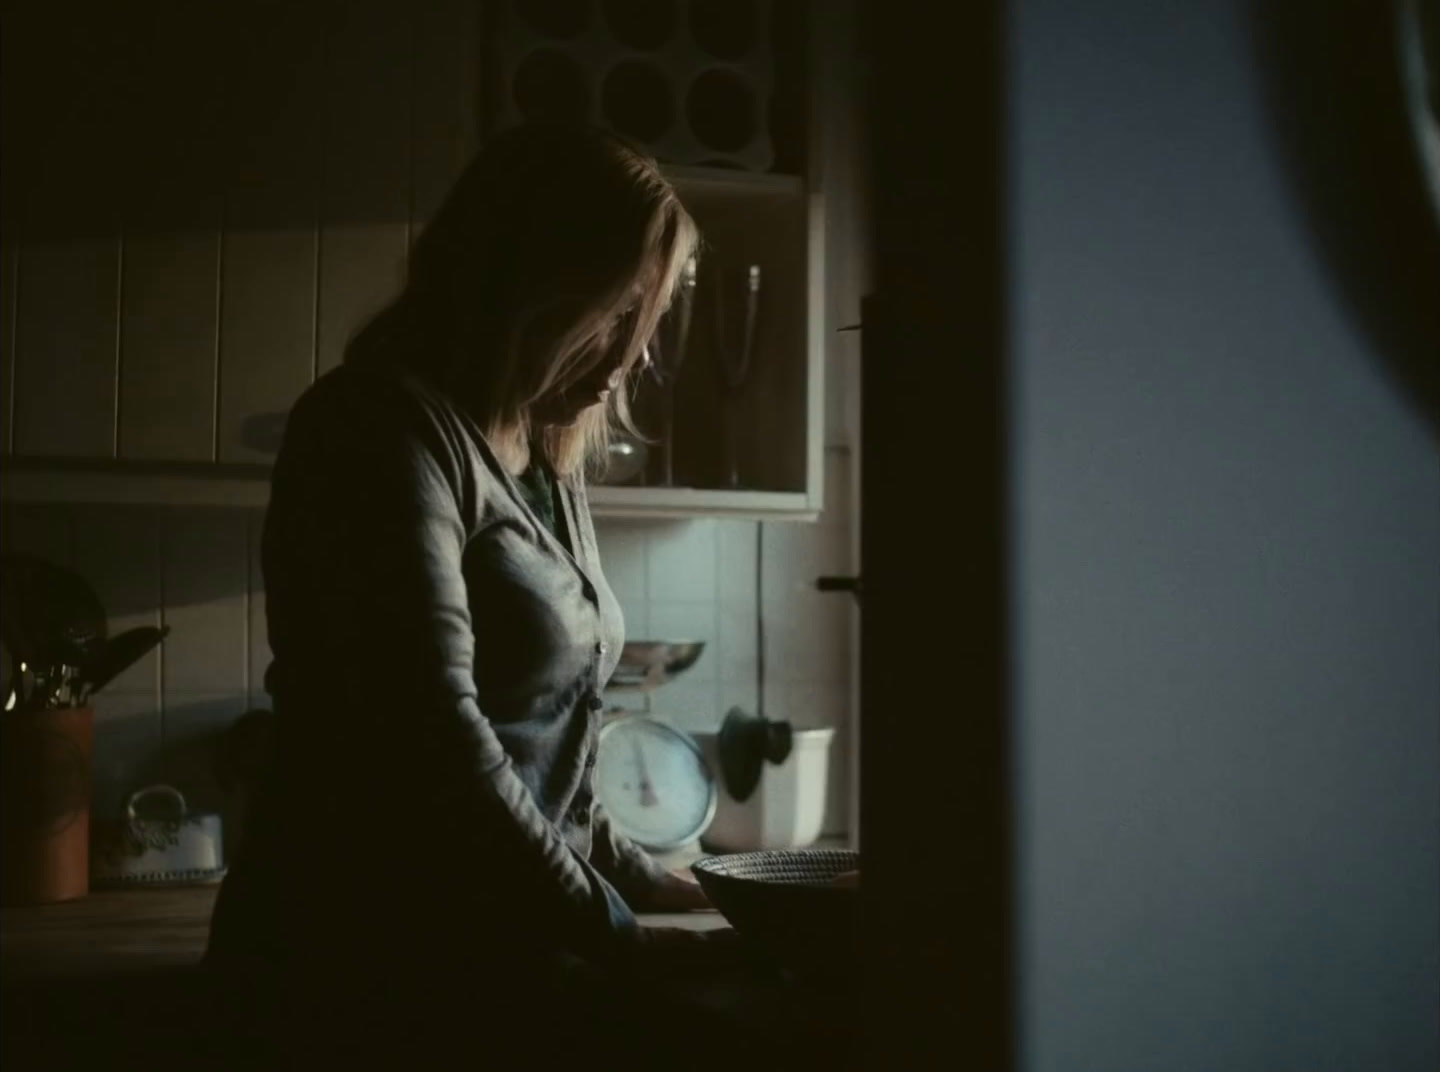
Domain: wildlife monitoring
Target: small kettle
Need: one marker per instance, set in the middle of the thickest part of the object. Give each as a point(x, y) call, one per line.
point(747, 742)
point(160, 842)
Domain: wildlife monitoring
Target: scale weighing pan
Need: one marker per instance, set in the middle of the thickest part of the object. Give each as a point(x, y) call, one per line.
point(648, 664)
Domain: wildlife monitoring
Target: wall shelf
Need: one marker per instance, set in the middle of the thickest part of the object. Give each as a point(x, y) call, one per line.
point(134, 483)
point(677, 503)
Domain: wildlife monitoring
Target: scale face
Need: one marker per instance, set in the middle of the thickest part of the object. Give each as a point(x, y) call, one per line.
point(653, 782)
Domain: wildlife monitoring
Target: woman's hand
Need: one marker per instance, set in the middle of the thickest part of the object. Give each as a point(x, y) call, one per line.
point(678, 892)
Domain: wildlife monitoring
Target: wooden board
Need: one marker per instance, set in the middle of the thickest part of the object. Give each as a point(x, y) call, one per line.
point(104, 932)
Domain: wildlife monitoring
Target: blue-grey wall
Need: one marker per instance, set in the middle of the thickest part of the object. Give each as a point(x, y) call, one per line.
point(1227, 583)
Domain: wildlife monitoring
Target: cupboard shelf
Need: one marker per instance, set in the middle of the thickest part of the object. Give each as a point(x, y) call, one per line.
point(197, 484)
point(679, 503)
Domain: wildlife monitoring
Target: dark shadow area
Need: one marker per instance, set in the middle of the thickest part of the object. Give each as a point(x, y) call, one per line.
point(939, 958)
point(186, 757)
point(146, 116)
point(1332, 80)
point(122, 550)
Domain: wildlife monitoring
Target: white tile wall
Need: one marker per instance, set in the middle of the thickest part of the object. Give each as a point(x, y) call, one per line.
point(128, 733)
point(204, 592)
point(681, 562)
point(699, 583)
point(119, 551)
point(198, 571)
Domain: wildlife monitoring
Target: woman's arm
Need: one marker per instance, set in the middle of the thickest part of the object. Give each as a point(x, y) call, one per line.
point(643, 882)
point(369, 610)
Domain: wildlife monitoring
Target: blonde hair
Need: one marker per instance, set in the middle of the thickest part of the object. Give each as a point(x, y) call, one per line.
point(545, 218)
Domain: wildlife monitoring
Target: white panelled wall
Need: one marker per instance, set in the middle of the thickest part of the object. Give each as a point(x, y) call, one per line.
point(197, 570)
point(177, 266)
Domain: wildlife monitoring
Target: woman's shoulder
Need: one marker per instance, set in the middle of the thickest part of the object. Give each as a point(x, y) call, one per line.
point(385, 396)
point(373, 406)
point(370, 411)
point(383, 418)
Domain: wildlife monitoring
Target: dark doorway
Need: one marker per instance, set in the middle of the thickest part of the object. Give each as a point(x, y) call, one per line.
point(935, 811)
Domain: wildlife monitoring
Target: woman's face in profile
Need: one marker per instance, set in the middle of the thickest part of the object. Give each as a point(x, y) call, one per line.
point(602, 361)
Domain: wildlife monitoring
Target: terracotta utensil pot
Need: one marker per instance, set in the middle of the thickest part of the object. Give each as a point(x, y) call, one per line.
point(45, 804)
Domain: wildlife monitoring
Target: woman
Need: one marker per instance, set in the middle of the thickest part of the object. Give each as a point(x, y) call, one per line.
point(427, 838)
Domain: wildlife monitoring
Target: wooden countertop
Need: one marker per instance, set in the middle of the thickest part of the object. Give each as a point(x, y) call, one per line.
point(79, 976)
point(119, 931)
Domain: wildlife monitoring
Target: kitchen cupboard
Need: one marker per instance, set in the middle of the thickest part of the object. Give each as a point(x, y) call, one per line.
point(201, 206)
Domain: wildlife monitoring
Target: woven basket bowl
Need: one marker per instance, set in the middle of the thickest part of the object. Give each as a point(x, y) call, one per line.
point(782, 901)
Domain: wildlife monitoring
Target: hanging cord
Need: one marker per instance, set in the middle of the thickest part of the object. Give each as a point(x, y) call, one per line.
point(760, 616)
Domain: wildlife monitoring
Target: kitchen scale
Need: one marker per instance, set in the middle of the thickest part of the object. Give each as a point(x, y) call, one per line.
point(651, 778)
point(663, 788)
point(654, 783)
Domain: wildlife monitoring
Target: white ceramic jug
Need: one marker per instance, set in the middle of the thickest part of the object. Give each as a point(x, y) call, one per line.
point(786, 810)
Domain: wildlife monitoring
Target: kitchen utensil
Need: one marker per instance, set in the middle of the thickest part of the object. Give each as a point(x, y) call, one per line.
point(695, 83)
point(20, 696)
point(57, 653)
point(670, 359)
point(646, 664)
point(160, 842)
point(625, 459)
point(45, 774)
point(734, 363)
point(51, 616)
point(57, 686)
point(118, 654)
point(785, 809)
point(653, 783)
point(746, 743)
point(9, 678)
point(787, 904)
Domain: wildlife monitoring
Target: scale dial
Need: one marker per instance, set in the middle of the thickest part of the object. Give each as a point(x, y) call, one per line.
point(653, 782)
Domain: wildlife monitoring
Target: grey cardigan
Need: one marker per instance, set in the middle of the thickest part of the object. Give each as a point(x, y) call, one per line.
point(438, 661)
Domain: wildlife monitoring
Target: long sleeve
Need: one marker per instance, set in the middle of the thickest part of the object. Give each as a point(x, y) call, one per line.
point(632, 870)
point(369, 610)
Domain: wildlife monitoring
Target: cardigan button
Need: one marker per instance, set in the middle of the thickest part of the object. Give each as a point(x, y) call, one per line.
point(593, 701)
